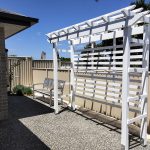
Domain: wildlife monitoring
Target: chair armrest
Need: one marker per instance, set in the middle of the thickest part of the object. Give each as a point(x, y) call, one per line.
point(52, 88)
point(37, 84)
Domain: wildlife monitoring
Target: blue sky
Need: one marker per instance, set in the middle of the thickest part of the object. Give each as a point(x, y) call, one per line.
point(52, 15)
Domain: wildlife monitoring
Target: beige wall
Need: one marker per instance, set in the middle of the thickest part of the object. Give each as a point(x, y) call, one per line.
point(23, 72)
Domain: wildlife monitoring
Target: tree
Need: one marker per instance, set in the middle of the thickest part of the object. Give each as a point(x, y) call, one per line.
point(64, 59)
point(141, 3)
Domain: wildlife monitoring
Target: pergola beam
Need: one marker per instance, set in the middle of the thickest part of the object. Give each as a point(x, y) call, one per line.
point(106, 26)
point(107, 36)
point(116, 18)
point(97, 18)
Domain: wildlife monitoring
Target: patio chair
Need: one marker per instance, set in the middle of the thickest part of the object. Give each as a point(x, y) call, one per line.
point(47, 89)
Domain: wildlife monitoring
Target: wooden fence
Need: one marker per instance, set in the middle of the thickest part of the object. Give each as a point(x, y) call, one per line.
point(42, 64)
point(20, 71)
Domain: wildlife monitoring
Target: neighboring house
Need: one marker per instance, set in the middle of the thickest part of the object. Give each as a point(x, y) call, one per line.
point(10, 24)
point(43, 55)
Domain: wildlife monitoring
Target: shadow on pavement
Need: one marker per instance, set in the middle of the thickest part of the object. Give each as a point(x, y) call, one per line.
point(13, 134)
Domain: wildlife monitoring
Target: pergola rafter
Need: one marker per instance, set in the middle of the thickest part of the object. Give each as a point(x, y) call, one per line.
point(126, 60)
point(115, 20)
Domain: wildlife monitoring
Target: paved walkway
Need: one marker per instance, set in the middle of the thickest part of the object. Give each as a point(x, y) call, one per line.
point(33, 126)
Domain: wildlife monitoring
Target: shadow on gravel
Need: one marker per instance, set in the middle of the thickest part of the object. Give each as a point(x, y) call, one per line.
point(13, 134)
point(21, 107)
point(134, 141)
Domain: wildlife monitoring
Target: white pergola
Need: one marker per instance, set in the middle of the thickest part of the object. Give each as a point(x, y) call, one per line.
point(129, 59)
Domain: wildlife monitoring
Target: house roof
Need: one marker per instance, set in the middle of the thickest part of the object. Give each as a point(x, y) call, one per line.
point(14, 22)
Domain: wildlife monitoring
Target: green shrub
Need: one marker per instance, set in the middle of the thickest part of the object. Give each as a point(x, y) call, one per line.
point(27, 90)
point(20, 90)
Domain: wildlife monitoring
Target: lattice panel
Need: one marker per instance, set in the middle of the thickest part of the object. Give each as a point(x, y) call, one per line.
point(106, 58)
point(106, 87)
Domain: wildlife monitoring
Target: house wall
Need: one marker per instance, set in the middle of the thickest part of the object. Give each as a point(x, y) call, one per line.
point(3, 78)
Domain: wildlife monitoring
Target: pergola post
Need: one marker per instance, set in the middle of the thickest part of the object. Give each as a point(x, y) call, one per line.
point(55, 75)
point(125, 88)
point(143, 131)
point(72, 76)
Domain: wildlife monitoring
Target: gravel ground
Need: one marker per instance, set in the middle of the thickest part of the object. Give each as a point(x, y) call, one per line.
point(33, 126)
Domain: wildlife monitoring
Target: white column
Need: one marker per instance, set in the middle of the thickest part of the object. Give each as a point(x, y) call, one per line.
point(92, 65)
point(92, 46)
point(114, 49)
point(72, 76)
point(125, 88)
point(55, 76)
point(143, 131)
